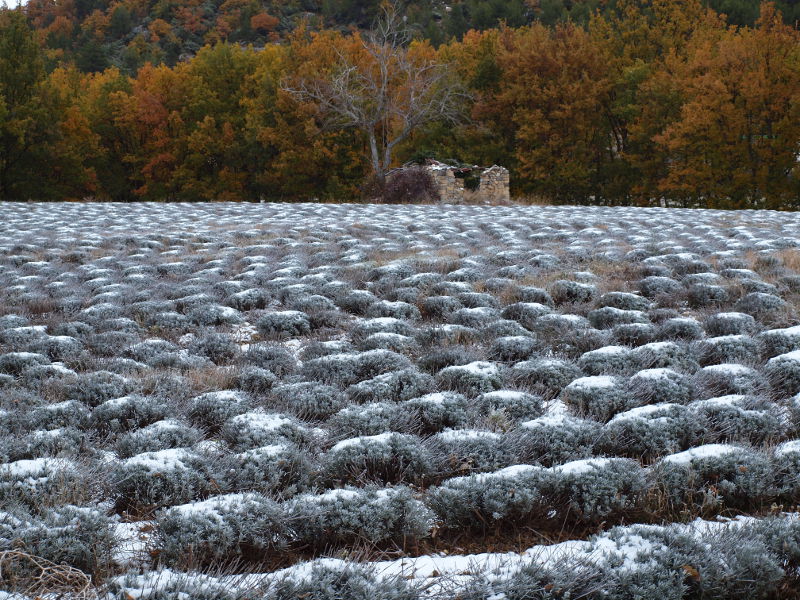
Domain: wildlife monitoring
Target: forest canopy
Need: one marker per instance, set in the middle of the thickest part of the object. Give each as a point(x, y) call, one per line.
point(618, 102)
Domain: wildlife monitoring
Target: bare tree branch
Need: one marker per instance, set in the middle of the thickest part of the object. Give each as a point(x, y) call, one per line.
point(388, 95)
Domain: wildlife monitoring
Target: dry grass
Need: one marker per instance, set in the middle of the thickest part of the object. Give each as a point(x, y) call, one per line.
point(34, 576)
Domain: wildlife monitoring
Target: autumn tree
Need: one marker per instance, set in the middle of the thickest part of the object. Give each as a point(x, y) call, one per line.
point(384, 89)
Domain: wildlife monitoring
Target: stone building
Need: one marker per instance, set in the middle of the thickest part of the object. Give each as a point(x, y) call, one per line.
point(476, 184)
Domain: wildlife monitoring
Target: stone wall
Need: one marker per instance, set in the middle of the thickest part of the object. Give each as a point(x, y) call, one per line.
point(494, 184)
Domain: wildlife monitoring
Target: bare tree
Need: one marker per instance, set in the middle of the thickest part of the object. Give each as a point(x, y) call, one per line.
point(388, 95)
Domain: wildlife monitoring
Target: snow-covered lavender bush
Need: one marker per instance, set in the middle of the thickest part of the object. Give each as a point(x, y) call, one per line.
point(60, 414)
point(42, 482)
point(307, 399)
point(214, 314)
point(95, 387)
point(276, 470)
point(652, 386)
point(719, 380)
point(706, 477)
point(623, 301)
point(775, 342)
point(783, 373)
point(554, 439)
point(680, 328)
point(14, 363)
point(525, 313)
point(334, 580)
point(665, 355)
point(371, 419)
point(255, 380)
point(608, 360)
point(436, 411)
point(440, 358)
point(402, 344)
point(395, 310)
point(212, 409)
point(651, 431)
point(502, 408)
point(742, 418)
point(701, 295)
point(598, 397)
point(219, 348)
point(465, 451)
point(261, 428)
point(656, 286)
point(284, 324)
point(440, 307)
point(347, 369)
point(547, 376)
point(271, 356)
point(512, 348)
point(395, 386)
point(608, 316)
point(739, 349)
point(766, 308)
point(161, 435)
point(166, 584)
point(564, 291)
point(345, 515)
point(519, 493)
point(730, 323)
point(161, 478)
point(471, 379)
point(384, 458)
point(599, 488)
point(221, 528)
point(126, 413)
point(634, 334)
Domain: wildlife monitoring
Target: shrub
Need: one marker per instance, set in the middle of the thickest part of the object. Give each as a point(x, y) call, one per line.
point(598, 488)
point(599, 397)
point(471, 379)
point(505, 407)
point(608, 360)
point(220, 529)
point(395, 386)
point(519, 493)
point(512, 348)
point(702, 295)
point(440, 307)
point(327, 581)
point(545, 375)
point(166, 584)
point(96, 387)
point(634, 334)
point(60, 347)
point(707, 476)
point(464, 451)
point(525, 313)
point(347, 369)
point(260, 428)
point(219, 348)
point(273, 357)
point(14, 363)
point(447, 334)
point(440, 358)
point(730, 323)
point(504, 328)
point(783, 373)
point(249, 299)
point(680, 328)
point(279, 469)
point(564, 291)
point(161, 435)
point(345, 515)
point(655, 286)
point(718, 380)
point(651, 431)
point(394, 310)
point(787, 471)
point(317, 349)
point(779, 341)
point(434, 412)
point(126, 413)
point(61, 414)
point(653, 386)
point(357, 301)
point(623, 301)
point(213, 315)
point(764, 307)
point(742, 418)
point(383, 458)
point(410, 185)
point(41, 482)
point(284, 324)
point(308, 399)
point(81, 537)
point(608, 316)
point(554, 439)
point(162, 478)
point(212, 409)
point(367, 327)
point(255, 380)
point(371, 419)
point(665, 355)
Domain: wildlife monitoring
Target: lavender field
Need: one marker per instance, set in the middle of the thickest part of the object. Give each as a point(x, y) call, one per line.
point(320, 402)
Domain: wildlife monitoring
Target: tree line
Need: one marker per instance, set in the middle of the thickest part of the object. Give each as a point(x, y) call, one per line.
point(652, 102)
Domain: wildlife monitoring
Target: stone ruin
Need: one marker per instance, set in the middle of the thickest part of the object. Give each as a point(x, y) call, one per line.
point(493, 182)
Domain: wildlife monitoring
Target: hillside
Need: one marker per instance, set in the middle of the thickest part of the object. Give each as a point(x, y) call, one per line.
point(97, 34)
